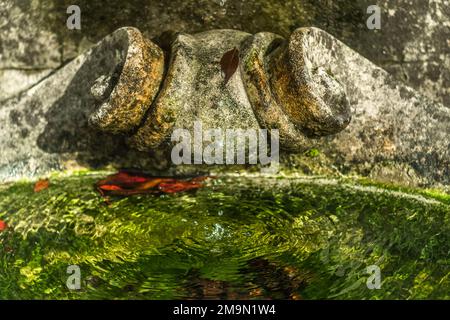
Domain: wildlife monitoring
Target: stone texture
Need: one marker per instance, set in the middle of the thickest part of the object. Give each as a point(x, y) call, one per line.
point(194, 90)
point(291, 94)
point(46, 128)
point(303, 101)
point(23, 43)
point(393, 127)
point(391, 123)
point(13, 81)
point(132, 86)
point(412, 43)
point(27, 52)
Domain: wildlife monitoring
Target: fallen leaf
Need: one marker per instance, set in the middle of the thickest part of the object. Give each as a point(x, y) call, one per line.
point(110, 187)
point(173, 187)
point(127, 183)
point(229, 63)
point(41, 185)
point(149, 184)
point(3, 225)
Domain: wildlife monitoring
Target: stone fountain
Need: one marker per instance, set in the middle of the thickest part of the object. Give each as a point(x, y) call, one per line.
point(118, 103)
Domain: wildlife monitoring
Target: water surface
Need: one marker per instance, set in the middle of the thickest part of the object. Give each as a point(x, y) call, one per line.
point(237, 238)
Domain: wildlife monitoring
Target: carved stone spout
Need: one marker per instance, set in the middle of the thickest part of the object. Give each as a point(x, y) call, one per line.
point(275, 86)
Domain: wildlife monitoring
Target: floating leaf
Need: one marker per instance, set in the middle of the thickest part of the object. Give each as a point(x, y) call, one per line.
point(41, 185)
point(3, 225)
point(126, 183)
point(229, 63)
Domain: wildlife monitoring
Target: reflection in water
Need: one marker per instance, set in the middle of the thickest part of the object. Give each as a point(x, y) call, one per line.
point(259, 279)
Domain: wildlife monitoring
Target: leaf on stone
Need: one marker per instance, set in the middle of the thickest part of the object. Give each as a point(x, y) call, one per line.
point(229, 63)
point(41, 185)
point(127, 183)
point(3, 225)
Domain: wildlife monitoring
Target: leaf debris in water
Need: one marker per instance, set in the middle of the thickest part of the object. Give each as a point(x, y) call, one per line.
point(126, 183)
point(41, 185)
point(3, 225)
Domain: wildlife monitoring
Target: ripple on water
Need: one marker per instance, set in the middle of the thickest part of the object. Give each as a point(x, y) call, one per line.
point(237, 238)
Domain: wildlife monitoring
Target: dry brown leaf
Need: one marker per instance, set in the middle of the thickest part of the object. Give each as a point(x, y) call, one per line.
point(229, 63)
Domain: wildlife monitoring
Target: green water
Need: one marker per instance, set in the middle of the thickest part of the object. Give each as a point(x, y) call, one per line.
point(236, 238)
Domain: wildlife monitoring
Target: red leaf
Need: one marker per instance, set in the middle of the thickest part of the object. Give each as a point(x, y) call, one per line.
point(126, 183)
point(229, 63)
point(179, 186)
point(126, 177)
point(41, 185)
point(3, 225)
point(110, 187)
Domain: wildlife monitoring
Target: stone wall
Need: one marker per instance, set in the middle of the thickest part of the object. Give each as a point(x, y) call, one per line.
point(413, 43)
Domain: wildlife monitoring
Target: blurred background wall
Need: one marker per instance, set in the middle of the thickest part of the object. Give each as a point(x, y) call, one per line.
point(413, 43)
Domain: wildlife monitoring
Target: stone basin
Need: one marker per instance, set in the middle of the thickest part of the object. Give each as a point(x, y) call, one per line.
point(341, 204)
point(240, 237)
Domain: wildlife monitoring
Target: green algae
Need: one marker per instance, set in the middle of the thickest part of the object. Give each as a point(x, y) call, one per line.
point(250, 238)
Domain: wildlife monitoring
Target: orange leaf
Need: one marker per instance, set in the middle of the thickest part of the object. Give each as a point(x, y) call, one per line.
point(3, 225)
point(110, 187)
point(149, 184)
point(41, 185)
point(179, 186)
